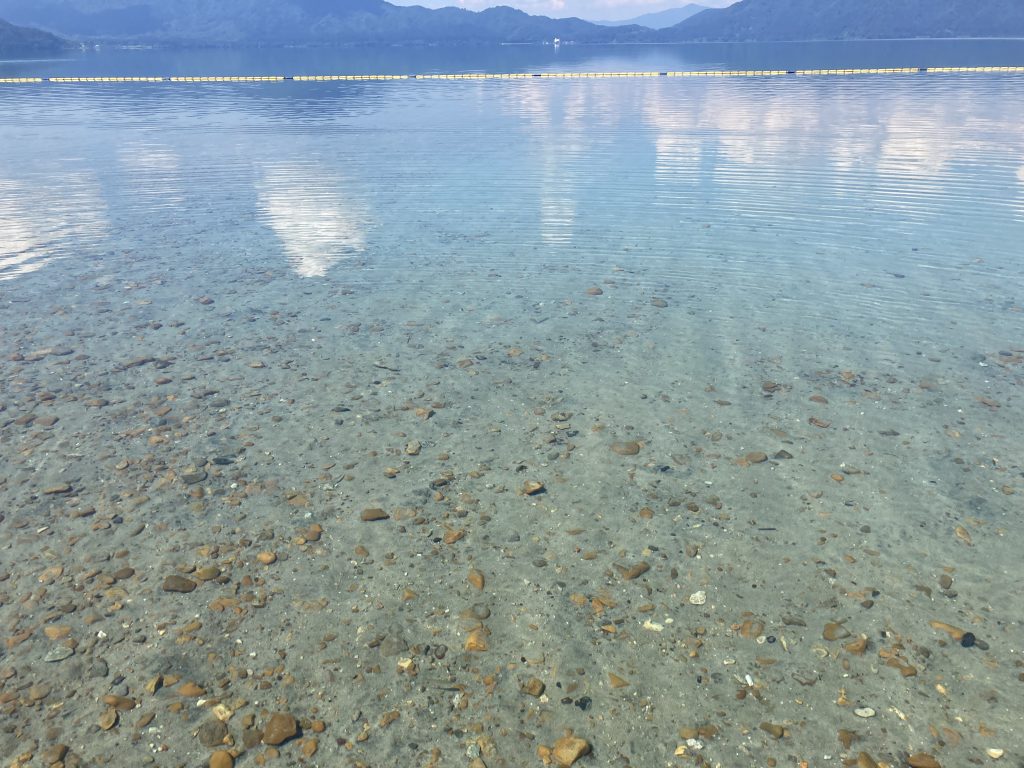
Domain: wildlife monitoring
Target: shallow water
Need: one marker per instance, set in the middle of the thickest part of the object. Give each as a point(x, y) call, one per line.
point(761, 336)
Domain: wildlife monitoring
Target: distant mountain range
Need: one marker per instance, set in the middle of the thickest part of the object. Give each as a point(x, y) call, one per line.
point(659, 19)
point(289, 22)
point(852, 20)
point(24, 40)
point(376, 22)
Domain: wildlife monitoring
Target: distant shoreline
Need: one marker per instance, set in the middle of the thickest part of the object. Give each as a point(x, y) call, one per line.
point(91, 44)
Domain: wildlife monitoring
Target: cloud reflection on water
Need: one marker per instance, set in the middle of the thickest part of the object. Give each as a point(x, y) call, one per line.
point(307, 209)
point(889, 142)
point(558, 121)
point(41, 223)
point(156, 171)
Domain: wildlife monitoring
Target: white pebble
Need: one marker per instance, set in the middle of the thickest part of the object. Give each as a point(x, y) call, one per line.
point(698, 598)
point(995, 754)
point(864, 712)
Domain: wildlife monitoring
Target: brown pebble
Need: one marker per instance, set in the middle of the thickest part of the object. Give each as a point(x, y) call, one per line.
point(176, 583)
point(207, 572)
point(476, 578)
point(533, 687)
point(267, 558)
point(54, 754)
point(773, 730)
point(864, 760)
point(59, 488)
point(757, 457)
point(108, 719)
point(453, 536)
point(568, 749)
point(476, 641)
point(751, 629)
point(312, 533)
point(120, 703)
point(945, 581)
point(191, 690)
point(532, 487)
point(858, 646)
point(370, 515)
point(633, 571)
point(617, 682)
point(57, 631)
point(821, 423)
point(658, 302)
point(963, 534)
point(954, 632)
point(923, 760)
point(281, 727)
point(835, 630)
point(594, 291)
point(309, 748)
point(39, 691)
point(222, 759)
point(630, 448)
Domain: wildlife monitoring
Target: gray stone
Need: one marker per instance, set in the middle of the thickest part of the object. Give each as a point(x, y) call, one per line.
point(392, 645)
point(59, 653)
point(211, 733)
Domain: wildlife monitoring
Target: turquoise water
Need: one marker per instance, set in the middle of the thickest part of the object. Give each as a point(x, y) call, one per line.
point(761, 335)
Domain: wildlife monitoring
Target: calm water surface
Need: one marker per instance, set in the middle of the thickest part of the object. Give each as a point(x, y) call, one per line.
point(696, 401)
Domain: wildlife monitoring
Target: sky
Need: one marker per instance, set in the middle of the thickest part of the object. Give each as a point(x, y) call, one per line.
point(610, 10)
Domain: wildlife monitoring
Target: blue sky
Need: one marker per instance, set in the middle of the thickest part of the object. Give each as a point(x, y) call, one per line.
point(586, 9)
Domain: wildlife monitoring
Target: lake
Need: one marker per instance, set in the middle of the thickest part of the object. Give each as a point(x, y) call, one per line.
point(618, 421)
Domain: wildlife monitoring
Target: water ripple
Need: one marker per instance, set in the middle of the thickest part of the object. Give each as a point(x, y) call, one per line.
point(788, 189)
